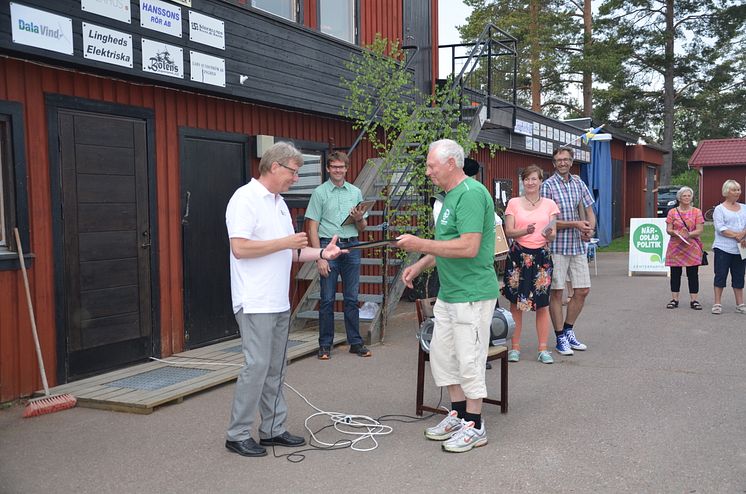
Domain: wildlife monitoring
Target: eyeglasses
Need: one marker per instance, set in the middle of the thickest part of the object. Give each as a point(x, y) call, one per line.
point(295, 172)
point(563, 160)
point(341, 167)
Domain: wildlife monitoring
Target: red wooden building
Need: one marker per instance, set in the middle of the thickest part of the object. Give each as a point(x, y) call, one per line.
point(124, 130)
point(718, 160)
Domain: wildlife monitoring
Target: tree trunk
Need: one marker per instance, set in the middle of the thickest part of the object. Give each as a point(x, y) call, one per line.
point(535, 51)
point(668, 95)
point(587, 72)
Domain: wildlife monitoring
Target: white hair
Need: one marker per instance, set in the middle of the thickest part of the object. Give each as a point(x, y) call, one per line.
point(445, 149)
point(682, 191)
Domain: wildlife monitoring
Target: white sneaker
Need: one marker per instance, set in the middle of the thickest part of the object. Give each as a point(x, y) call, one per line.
point(446, 428)
point(466, 438)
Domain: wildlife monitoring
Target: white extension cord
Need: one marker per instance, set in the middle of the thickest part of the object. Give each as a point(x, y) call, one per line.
point(347, 424)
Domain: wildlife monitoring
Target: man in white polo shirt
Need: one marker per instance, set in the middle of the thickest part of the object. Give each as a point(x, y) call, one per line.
point(263, 247)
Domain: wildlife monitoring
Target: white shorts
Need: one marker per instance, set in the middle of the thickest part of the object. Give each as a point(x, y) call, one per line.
point(570, 268)
point(458, 350)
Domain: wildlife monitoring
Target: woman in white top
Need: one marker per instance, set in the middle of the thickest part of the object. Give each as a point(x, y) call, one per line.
point(729, 245)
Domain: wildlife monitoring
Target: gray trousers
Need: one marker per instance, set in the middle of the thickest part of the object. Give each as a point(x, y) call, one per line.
point(264, 339)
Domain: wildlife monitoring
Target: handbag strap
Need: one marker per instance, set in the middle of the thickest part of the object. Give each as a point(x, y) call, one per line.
point(682, 220)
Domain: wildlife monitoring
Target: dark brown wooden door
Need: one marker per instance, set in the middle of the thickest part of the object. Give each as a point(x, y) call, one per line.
point(213, 166)
point(106, 241)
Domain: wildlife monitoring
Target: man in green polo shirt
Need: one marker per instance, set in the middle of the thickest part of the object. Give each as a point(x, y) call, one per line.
point(330, 204)
point(463, 252)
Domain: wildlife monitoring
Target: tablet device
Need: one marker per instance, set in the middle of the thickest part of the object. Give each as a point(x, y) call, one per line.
point(366, 205)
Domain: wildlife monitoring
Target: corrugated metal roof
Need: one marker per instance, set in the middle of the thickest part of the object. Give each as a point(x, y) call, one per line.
point(719, 152)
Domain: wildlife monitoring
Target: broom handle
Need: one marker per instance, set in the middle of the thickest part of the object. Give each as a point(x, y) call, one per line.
point(31, 313)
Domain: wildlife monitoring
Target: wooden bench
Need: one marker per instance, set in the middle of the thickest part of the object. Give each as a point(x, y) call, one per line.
point(425, 310)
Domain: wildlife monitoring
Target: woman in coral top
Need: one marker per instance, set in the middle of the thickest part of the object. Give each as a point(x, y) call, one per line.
point(530, 221)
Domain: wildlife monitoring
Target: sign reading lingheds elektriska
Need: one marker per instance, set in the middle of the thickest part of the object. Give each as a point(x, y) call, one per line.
point(34, 27)
point(107, 45)
point(163, 59)
point(160, 16)
point(648, 242)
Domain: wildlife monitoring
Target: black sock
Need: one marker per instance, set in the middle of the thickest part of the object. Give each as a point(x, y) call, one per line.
point(567, 327)
point(460, 407)
point(474, 417)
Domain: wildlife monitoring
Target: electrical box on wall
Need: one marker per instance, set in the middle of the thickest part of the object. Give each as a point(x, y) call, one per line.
point(262, 143)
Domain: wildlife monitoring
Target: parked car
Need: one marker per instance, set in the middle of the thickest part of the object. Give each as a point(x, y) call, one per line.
point(667, 199)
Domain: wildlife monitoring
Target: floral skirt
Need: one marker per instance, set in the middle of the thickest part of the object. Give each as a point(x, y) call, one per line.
point(528, 277)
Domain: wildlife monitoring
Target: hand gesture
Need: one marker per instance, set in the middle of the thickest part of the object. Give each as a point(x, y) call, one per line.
point(531, 228)
point(332, 251)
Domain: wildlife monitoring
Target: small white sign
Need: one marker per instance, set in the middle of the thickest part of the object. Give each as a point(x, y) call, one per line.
point(529, 143)
point(523, 127)
point(537, 144)
point(543, 146)
point(648, 242)
point(160, 16)
point(207, 69)
point(536, 128)
point(206, 30)
point(118, 10)
point(163, 59)
point(41, 29)
point(107, 45)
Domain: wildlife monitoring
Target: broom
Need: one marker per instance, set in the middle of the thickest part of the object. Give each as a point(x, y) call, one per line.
point(48, 403)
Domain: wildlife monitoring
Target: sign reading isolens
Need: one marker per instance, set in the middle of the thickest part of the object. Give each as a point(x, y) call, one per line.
point(41, 29)
point(207, 69)
point(113, 9)
point(107, 45)
point(206, 30)
point(163, 59)
point(160, 16)
point(648, 242)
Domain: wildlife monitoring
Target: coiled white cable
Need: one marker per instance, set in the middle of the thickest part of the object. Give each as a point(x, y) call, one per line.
point(347, 424)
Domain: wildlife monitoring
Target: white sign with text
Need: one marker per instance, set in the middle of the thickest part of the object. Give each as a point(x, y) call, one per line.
point(648, 242)
point(161, 58)
point(207, 69)
point(206, 30)
point(118, 10)
point(41, 29)
point(160, 16)
point(107, 45)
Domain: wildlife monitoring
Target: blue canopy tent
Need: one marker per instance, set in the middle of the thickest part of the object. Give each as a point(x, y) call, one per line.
point(597, 175)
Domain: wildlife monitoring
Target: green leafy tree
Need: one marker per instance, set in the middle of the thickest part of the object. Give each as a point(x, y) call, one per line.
point(670, 56)
point(554, 48)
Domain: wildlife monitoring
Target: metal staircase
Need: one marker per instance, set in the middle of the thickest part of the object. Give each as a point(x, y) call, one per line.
point(391, 185)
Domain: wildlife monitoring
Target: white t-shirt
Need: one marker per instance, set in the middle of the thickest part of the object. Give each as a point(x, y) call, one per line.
point(259, 285)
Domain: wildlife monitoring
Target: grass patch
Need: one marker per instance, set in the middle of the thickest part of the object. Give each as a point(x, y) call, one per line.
point(621, 244)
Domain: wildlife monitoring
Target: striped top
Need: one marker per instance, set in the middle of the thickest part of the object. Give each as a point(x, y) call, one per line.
point(568, 196)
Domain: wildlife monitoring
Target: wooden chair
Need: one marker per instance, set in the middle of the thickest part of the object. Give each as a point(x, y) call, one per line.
point(425, 310)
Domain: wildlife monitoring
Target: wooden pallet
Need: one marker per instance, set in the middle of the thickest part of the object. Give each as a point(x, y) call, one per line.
point(96, 392)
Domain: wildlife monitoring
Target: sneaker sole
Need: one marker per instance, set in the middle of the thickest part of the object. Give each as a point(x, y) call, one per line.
point(579, 349)
point(566, 353)
point(476, 444)
point(442, 437)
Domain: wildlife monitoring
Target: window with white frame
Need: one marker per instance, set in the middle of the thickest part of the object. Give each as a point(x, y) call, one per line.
point(283, 8)
point(338, 18)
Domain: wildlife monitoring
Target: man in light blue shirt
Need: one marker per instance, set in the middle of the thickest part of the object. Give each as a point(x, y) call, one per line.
point(331, 203)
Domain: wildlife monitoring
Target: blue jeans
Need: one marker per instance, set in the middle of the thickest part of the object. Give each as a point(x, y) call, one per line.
point(348, 267)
